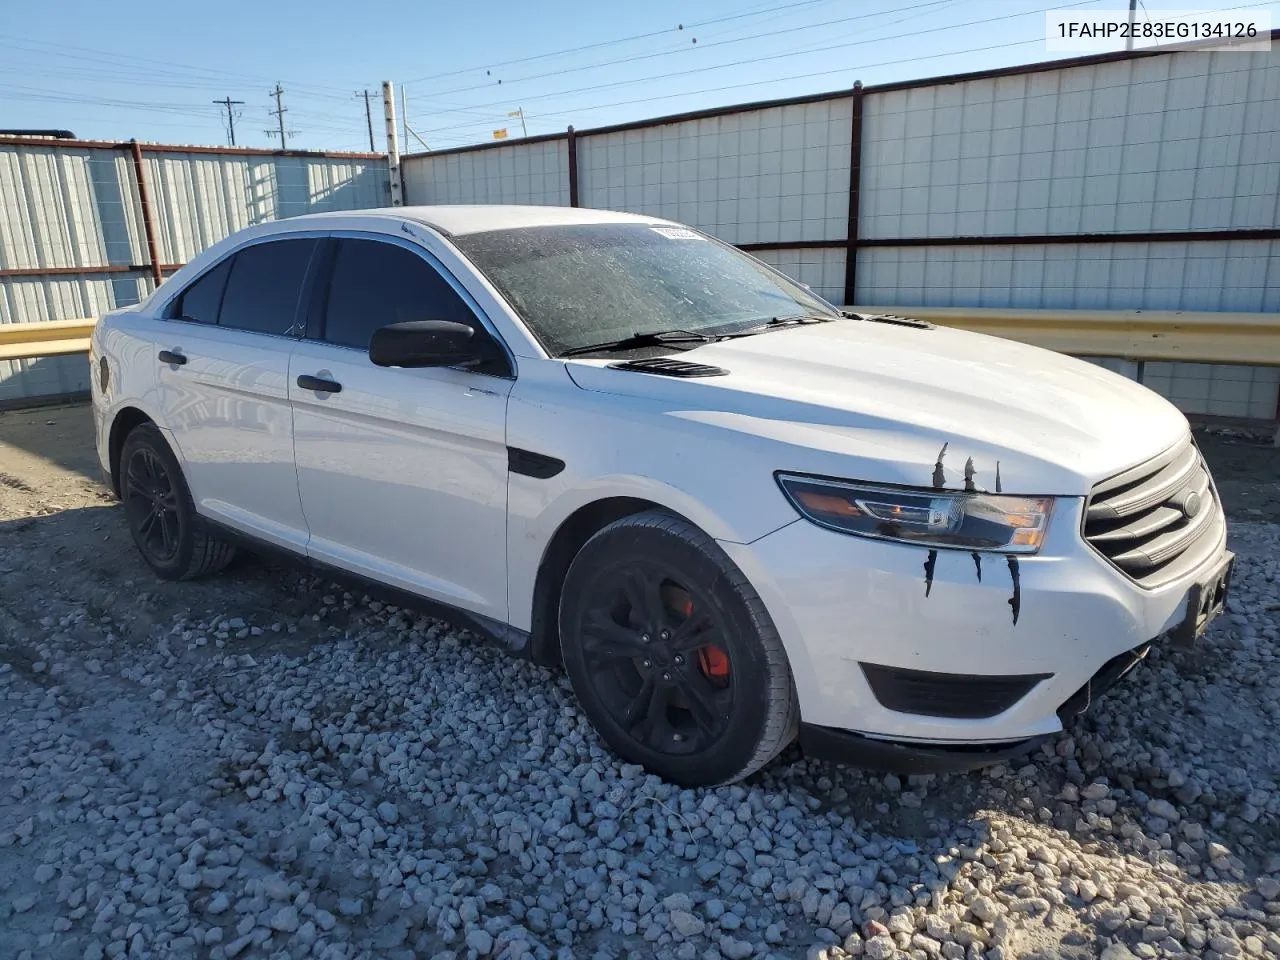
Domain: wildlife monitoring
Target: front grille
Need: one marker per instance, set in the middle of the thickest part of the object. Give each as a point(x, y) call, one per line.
point(1146, 522)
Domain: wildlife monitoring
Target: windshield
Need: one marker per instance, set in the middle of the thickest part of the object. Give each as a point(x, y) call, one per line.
point(583, 284)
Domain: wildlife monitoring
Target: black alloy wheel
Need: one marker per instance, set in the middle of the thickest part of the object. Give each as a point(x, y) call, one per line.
point(173, 539)
point(672, 654)
point(151, 505)
point(656, 658)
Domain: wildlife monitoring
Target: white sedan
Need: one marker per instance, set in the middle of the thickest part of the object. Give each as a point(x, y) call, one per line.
point(734, 513)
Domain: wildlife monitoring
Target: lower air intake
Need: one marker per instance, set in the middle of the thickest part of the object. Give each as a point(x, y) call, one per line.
point(959, 695)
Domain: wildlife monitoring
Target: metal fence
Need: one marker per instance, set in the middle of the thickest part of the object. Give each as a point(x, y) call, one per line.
point(1147, 180)
point(88, 226)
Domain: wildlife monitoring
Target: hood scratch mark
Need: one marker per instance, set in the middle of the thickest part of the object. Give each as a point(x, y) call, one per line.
point(977, 565)
point(997, 476)
point(939, 475)
point(968, 476)
point(1015, 602)
point(929, 563)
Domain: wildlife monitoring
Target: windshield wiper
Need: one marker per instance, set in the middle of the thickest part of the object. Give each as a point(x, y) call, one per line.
point(658, 338)
point(774, 322)
point(888, 318)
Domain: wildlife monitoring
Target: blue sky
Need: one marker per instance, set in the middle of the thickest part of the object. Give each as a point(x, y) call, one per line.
point(150, 70)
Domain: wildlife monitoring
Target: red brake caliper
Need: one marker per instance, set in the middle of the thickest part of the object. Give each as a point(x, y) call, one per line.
point(713, 661)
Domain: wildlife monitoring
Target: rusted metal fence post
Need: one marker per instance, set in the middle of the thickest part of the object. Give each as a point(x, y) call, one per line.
point(855, 186)
point(572, 146)
point(148, 225)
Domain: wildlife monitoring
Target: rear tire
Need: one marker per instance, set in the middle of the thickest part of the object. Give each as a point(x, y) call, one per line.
point(672, 654)
point(173, 539)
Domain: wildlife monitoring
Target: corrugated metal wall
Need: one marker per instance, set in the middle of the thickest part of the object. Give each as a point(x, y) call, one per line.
point(72, 206)
point(1184, 141)
point(1178, 142)
point(1187, 141)
point(536, 173)
point(776, 175)
point(201, 198)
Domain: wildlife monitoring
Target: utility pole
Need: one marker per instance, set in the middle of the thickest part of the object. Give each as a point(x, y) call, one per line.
point(368, 116)
point(404, 117)
point(393, 151)
point(1133, 13)
point(231, 119)
point(279, 112)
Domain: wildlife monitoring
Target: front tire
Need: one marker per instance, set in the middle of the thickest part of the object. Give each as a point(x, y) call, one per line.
point(672, 654)
point(172, 538)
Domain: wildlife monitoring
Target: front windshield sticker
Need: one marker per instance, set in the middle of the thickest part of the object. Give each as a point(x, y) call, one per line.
point(676, 233)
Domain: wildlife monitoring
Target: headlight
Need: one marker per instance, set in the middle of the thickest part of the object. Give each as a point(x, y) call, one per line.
point(931, 518)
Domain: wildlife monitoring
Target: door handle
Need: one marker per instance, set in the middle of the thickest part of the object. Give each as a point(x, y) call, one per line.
point(171, 356)
point(319, 384)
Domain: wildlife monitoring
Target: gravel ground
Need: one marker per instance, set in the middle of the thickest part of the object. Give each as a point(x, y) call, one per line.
point(261, 765)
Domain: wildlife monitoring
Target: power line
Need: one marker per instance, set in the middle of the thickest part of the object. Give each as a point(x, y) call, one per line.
point(41, 94)
point(781, 56)
point(799, 76)
point(704, 46)
point(231, 119)
point(117, 60)
point(610, 43)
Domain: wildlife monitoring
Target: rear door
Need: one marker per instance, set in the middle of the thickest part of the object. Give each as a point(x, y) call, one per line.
point(402, 472)
point(223, 366)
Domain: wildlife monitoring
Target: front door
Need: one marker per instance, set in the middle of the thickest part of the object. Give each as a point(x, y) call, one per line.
point(223, 363)
point(402, 472)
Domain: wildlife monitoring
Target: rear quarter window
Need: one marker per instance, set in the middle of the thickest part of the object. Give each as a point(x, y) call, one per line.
point(200, 302)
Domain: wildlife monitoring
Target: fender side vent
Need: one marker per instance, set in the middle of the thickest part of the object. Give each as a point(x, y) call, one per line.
point(670, 367)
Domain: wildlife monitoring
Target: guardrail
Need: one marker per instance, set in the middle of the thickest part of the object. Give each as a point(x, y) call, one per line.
point(54, 338)
point(1188, 337)
point(1247, 338)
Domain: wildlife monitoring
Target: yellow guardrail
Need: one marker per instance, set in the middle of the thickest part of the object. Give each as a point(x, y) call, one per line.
point(1248, 338)
point(55, 338)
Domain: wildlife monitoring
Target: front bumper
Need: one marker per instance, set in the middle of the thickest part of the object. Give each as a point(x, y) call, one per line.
point(841, 601)
point(845, 746)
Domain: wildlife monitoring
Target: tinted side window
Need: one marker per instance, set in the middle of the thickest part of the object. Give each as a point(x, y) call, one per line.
point(200, 301)
point(265, 282)
point(374, 284)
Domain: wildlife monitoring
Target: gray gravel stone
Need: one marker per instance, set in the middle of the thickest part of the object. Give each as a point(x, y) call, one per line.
point(686, 924)
point(879, 948)
point(528, 839)
point(285, 920)
point(481, 942)
point(388, 812)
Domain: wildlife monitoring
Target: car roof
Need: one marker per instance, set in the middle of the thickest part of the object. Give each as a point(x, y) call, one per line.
point(461, 219)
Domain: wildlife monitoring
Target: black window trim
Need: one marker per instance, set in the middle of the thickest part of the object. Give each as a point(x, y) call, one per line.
point(318, 298)
point(297, 328)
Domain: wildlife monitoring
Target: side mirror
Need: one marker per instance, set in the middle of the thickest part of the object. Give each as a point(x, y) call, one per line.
point(425, 343)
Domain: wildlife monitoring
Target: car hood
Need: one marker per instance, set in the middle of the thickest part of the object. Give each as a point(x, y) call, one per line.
point(877, 402)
